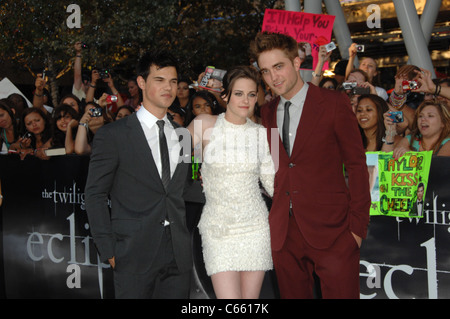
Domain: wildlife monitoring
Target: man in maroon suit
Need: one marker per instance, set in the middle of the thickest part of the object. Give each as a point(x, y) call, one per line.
point(317, 221)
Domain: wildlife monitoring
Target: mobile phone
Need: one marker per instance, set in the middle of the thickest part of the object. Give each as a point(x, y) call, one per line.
point(397, 117)
point(27, 135)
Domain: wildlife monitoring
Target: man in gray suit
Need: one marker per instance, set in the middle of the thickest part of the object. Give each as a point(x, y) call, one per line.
point(143, 233)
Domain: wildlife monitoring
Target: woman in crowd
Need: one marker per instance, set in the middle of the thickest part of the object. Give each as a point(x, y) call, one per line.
point(64, 133)
point(369, 66)
point(134, 100)
point(322, 57)
point(430, 131)
point(124, 111)
point(359, 79)
point(20, 104)
point(74, 102)
point(177, 114)
point(36, 133)
point(184, 94)
point(328, 83)
point(94, 117)
point(234, 222)
point(97, 88)
point(372, 113)
point(8, 125)
point(304, 52)
point(434, 89)
point(202, 102)
point(398, 99)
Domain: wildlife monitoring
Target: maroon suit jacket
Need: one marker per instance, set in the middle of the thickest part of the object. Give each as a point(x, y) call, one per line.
point(313, 178)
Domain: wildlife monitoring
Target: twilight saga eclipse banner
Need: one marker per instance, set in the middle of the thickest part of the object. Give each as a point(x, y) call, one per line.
point(48, 251)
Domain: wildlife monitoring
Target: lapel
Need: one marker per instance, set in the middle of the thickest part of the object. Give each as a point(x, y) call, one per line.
point(185, 150)
point(144, 153)
point(313, 110)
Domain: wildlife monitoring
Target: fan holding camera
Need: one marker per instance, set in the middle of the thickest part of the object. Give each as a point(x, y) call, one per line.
point(357, 84)
point(94, 117)
point(366, 64)
point(114, 99)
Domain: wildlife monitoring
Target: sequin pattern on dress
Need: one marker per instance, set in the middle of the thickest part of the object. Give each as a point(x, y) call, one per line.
point(234, 224)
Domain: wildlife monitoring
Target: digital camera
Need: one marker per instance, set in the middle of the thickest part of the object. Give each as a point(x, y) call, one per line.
point(96, 112)
point(104, 74)
point(409, 85)
point(397, 117)
point(348, 85)
point(360, 90)
point(111, 99)
point(330, 46)
point(360, 48)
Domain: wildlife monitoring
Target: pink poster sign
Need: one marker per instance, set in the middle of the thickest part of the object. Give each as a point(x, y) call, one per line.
point(310, 30)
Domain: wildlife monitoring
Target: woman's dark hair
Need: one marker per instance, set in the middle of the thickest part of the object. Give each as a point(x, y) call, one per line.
point(216, 108)
point(20, 104)
point(236, 73)
point(81, 106)
point(382, 108)
point(46, 133)
point(8, 106)
point(129, 108)
point(328, 79)
point(59, 137)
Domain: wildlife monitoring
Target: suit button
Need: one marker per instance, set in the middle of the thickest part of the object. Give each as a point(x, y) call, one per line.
point(291, 165)
point(287, 193)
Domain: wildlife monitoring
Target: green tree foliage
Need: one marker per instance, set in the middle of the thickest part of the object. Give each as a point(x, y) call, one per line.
point(35, 33)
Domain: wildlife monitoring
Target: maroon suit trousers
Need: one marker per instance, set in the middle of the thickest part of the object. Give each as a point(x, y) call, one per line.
point(337, 267)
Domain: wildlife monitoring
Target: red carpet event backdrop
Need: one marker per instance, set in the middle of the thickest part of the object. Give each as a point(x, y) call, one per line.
point(48, 251)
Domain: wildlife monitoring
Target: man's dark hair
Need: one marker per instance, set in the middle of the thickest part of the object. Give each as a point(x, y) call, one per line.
point(159, 58)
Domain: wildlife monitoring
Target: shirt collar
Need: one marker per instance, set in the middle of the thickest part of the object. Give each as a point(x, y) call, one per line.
point(149, 119)
point(298, 98)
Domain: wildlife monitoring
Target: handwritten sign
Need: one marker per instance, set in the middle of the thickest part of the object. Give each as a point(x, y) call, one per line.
point(398, 186)
point(310, 30)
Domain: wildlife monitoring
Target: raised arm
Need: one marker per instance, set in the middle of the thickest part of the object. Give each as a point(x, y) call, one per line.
point(322, 58)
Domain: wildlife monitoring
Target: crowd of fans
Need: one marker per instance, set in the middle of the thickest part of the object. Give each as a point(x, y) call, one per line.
point(414, 116)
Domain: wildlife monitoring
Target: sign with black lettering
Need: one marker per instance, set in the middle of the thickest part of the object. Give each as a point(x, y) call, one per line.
point(406, 258)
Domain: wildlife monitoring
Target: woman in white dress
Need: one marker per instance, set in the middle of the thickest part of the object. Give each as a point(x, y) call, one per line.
point(234, 224)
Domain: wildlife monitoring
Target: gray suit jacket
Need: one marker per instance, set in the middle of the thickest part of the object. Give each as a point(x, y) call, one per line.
point(122, 173)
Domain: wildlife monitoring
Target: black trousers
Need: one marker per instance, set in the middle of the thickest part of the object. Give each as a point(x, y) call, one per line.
point(162, 281)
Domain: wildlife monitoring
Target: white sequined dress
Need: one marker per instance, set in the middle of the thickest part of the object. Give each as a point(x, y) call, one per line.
point(234, 223)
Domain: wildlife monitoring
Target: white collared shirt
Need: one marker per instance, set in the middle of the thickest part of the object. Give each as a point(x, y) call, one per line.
point(295, 112)
point(151, 131)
